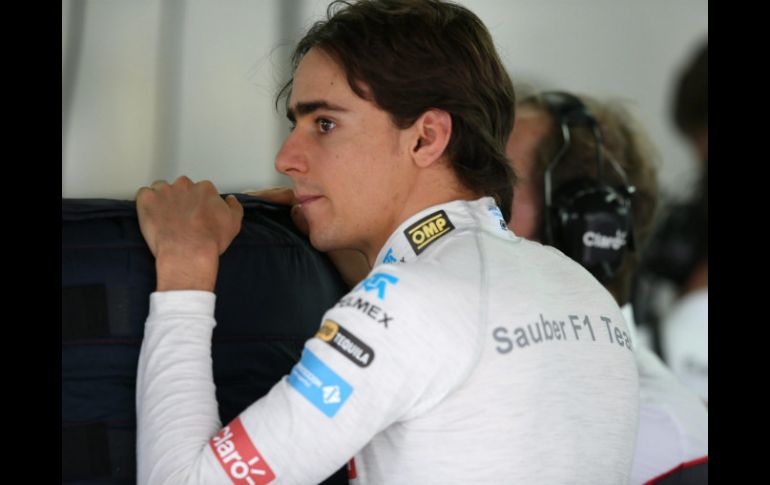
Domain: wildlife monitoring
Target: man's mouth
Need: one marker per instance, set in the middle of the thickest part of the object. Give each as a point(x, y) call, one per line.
point(307, 199)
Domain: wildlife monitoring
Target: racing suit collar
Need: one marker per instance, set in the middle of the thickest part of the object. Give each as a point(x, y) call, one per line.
point(424, 231)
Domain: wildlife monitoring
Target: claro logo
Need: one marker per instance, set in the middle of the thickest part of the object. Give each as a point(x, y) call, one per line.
point(238, 456)
point(596, 240)
point(427, 230)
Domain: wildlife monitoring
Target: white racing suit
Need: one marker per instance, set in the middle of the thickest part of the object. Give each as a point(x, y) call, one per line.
point(468, 355)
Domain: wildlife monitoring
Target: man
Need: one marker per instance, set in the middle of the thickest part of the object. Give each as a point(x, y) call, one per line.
point(468, 355)
point(673, 424)
point(685, 327)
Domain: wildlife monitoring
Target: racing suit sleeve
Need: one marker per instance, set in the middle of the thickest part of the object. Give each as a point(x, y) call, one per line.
point(374, 361)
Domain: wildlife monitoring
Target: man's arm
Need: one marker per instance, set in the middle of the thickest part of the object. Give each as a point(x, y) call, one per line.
point(367, 367)
point(187, 226)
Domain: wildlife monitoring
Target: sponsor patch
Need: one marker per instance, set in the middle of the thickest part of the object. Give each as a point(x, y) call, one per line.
point(367, 308)
point(428, 230)
point(497, 215)
point(345, 343)
point(602, 241)
point(389, 258)
point(319, 384)
point(379, 282)
point(239, 457)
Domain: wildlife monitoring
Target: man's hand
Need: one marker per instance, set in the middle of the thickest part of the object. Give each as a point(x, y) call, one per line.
point(350, 263)
point(187, 227)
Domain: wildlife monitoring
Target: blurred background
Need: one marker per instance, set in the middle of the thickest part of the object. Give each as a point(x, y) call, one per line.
point(154, 89)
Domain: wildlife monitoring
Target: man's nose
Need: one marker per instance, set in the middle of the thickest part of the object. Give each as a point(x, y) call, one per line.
point(291, 158)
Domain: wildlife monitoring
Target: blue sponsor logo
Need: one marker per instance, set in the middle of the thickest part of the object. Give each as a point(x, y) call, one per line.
point(496, 214)
point(379, 282)
point(319, 384)
point(389, 258)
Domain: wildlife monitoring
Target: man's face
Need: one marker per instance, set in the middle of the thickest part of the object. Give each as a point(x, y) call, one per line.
point(348, 162)
point(530, 128)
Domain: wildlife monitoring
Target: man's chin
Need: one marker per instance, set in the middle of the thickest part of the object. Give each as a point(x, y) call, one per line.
point(325, 242)
point(320, 240)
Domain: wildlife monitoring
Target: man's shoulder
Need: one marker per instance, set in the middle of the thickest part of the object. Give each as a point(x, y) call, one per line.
point(429, 293)
point(423, 281)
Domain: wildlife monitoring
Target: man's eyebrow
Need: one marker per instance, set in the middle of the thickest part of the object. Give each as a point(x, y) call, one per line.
point(305, 108)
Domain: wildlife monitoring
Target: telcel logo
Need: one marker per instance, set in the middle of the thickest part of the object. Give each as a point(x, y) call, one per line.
point(427, 230)
point(597, 240)
point(238, 456)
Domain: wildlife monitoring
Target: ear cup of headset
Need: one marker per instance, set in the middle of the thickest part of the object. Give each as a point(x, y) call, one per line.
point(591, 223)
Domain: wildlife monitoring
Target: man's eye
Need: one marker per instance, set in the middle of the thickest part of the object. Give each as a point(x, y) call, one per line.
point(324, 125)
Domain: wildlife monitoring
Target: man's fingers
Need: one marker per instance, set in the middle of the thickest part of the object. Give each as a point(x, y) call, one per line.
point(141, 191)
point(278, 195)
point(235, 206)
point(185, 181)
point(284, 196)
point(299, 219)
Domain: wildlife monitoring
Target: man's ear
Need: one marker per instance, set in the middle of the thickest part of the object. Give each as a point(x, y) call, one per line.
point(433, 129)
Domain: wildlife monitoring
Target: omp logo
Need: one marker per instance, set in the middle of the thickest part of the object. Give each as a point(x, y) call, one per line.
point(331, 394)
point(379, 282)
point(238, 456)
point(389, 258)
point(346, 343)
point(596, 240)
point(427, 230)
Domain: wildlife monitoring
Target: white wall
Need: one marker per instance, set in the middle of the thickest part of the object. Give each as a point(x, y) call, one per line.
point(170, 88)
point(229, 129)
point(174, 87)
point(618, 49)
point(108, 145)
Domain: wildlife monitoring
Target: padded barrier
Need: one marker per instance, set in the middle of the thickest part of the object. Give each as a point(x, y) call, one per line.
point(272, 291)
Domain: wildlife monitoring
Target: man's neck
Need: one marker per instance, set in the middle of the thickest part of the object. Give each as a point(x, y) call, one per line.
point(430, 187)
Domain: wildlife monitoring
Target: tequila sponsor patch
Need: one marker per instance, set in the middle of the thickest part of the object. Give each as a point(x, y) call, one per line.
point(345, 343)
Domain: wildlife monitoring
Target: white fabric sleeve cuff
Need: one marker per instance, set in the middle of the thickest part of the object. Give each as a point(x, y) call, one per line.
point(182, 302)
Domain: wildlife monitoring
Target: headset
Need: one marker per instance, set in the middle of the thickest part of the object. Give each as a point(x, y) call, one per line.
point(586, 218)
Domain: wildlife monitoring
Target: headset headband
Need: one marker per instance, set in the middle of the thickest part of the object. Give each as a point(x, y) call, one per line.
point(586, 218)
point(569, 111)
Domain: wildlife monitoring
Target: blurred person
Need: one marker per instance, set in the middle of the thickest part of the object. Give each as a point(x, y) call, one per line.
point(680, 252)
point(444, 365)
point(587, 185)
